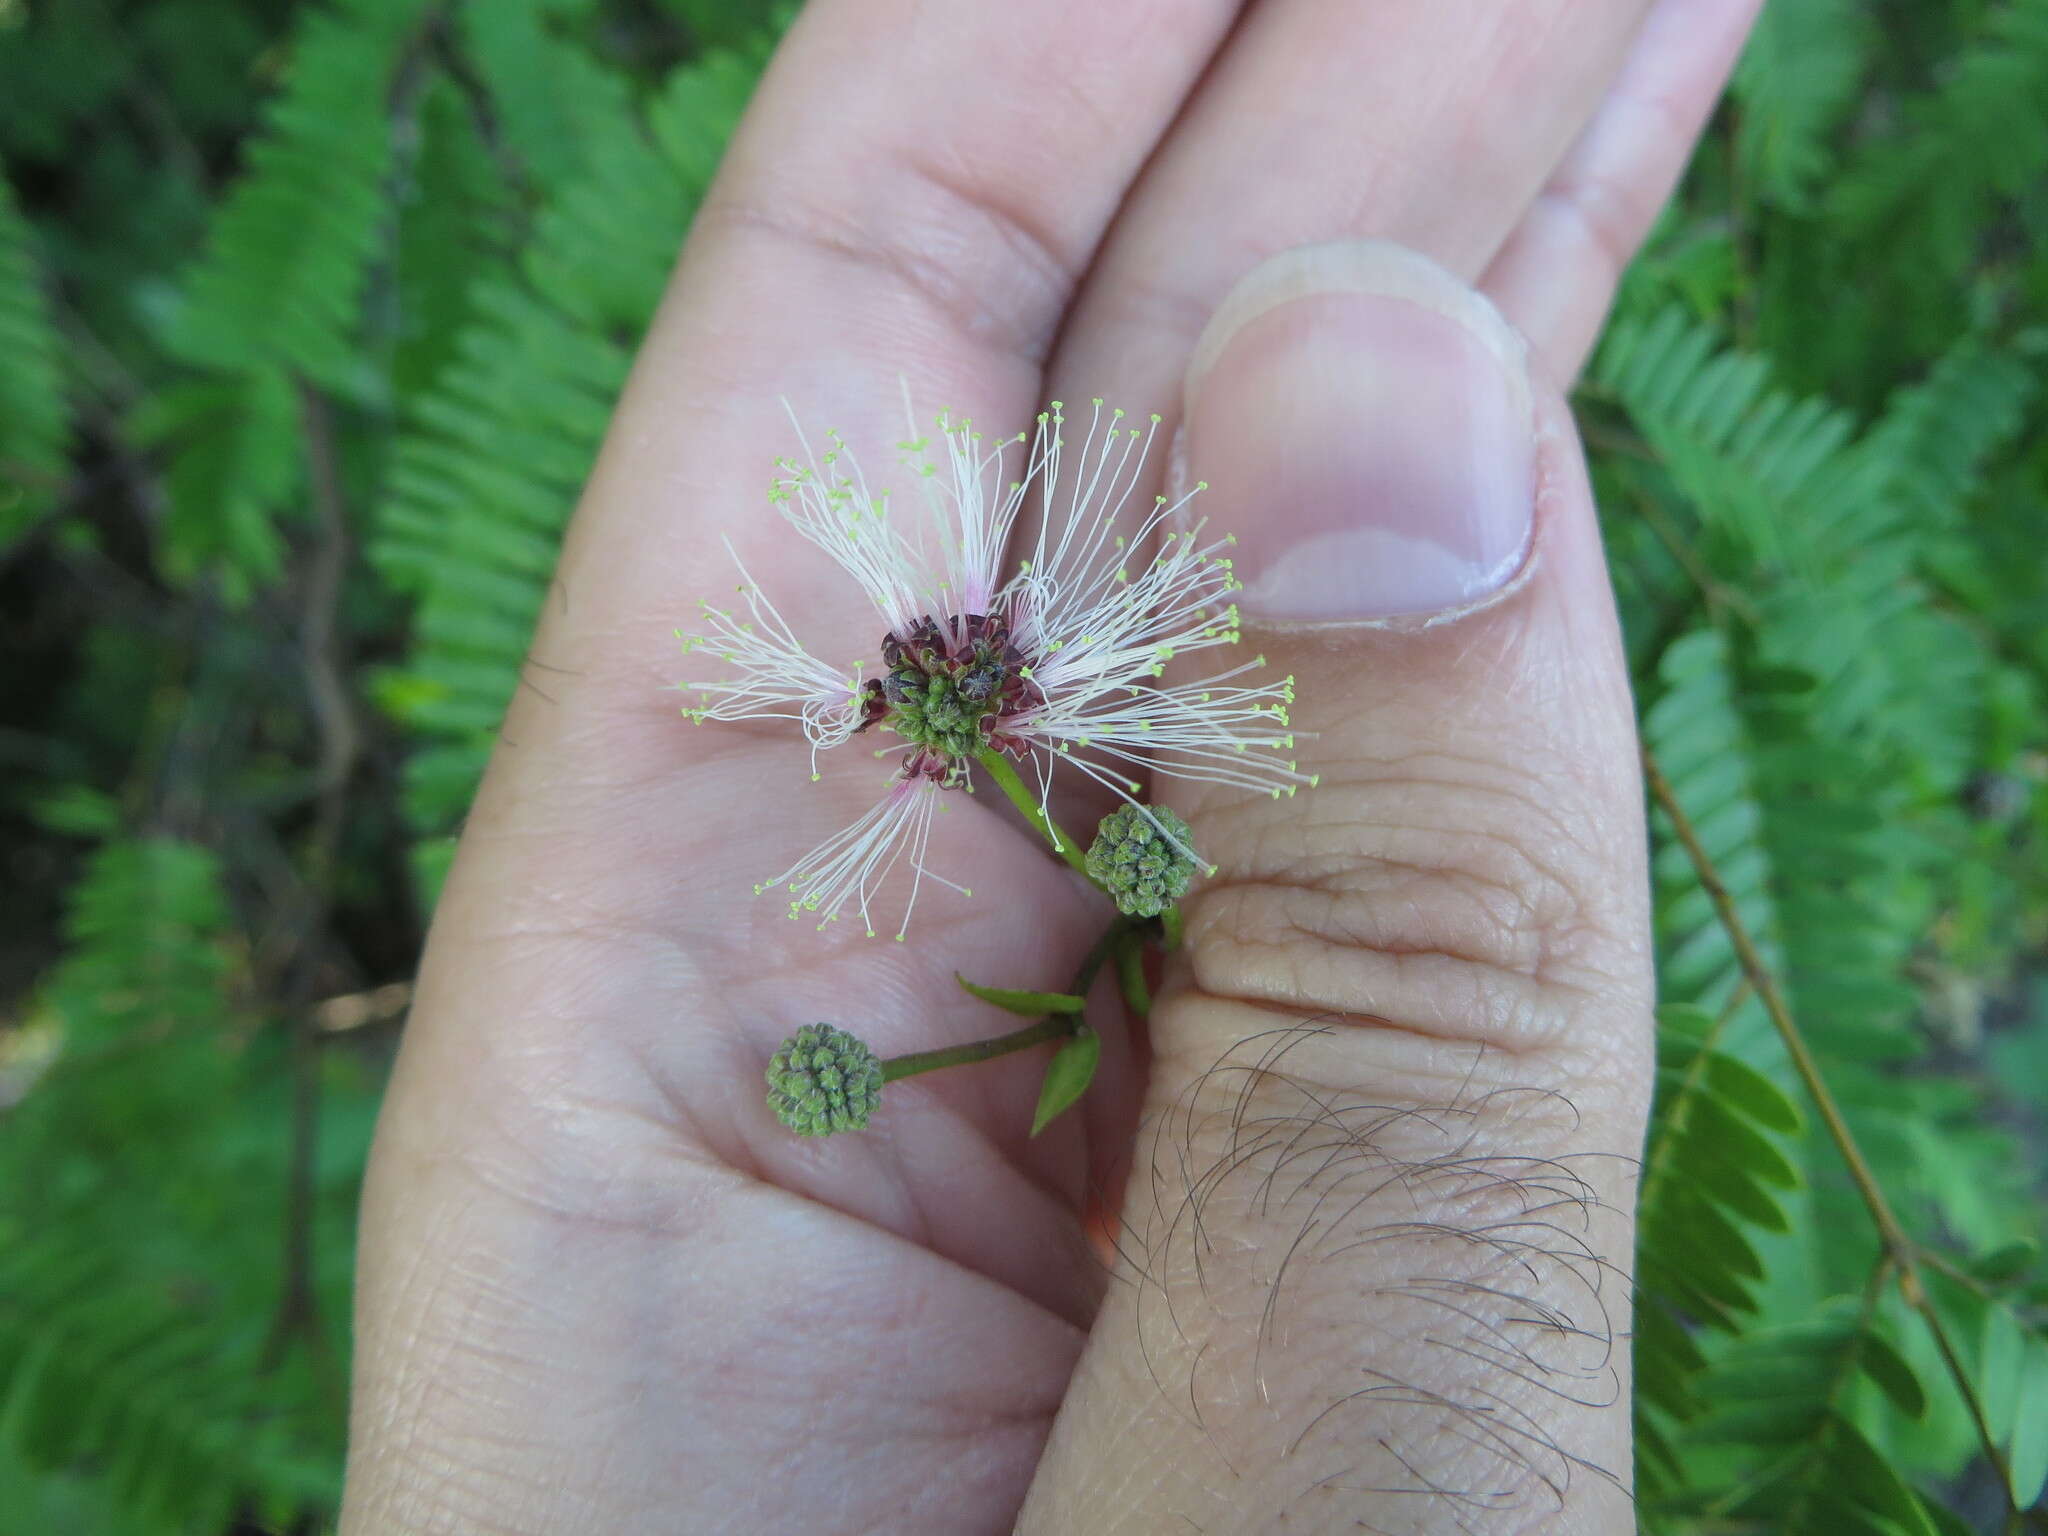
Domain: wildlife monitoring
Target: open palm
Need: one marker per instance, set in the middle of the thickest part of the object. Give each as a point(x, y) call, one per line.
point(601, 1289)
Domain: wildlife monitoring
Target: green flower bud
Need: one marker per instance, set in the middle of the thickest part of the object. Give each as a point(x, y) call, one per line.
point(823, 1080)
point(1143, 868)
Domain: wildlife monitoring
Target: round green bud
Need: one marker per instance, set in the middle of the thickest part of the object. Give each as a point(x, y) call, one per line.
point(1143, 857)
point(823, 1080)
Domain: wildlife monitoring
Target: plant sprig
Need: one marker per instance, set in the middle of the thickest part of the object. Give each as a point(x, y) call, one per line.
point(1142, 858)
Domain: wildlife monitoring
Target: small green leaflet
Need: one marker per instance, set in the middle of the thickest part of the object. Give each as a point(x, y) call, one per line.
point(1032, 1005)
point(2008, 1262)
point(1885, 1366)
point(2027, 1447)
point(1067, 1076)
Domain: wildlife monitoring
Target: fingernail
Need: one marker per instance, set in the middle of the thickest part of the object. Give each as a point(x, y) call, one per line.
point(1363, 421)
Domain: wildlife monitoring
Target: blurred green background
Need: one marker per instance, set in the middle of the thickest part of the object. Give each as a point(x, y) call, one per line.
point(310, 318)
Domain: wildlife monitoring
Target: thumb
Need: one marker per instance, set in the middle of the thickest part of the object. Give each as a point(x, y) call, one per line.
point(1379, 1226)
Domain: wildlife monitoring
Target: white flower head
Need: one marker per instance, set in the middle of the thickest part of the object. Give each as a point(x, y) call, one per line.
point(1062, 660)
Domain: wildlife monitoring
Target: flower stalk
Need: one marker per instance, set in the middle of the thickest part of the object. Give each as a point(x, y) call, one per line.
point(1011, 783)
point(1053, 1026)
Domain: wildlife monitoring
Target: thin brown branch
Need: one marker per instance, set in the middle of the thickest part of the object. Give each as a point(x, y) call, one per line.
point(1720, 597)
point(1899, 1246)
point(340, 745)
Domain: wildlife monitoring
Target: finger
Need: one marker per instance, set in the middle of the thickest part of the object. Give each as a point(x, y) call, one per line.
point(1380, 1275)
point(907, 203)
point(1432, 125)
point(892, 206)
point(894, 212)
point(899, 202)
point(1557, 273)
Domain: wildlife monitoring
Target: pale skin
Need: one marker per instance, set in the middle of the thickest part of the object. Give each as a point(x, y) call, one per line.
point(602, 1291)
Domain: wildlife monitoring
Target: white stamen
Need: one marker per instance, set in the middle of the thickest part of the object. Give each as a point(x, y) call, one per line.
point(773, 676)
point(1100, 607)
point(852, 864)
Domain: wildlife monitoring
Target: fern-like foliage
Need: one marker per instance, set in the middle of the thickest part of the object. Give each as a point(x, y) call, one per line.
point(32, 410)
point(556, 105)
point(1713, 1168)
point(1863, 698)
point(145, 1363)
point(483, 483)
point(1702, 742)
point(1937, 434)
point(277, 296)
point(455, 222)
point(1806, 1469)
point(1757, 464)
point(234, 464)
point(1817, 724)
point(1978, 134)
point(281, 282)
point(1797, 80)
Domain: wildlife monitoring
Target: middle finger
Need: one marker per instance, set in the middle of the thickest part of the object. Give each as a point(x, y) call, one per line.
point(1434, 126)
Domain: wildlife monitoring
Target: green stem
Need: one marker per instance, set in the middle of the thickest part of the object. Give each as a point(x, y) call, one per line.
point(1054, 1026)
point(1012, 784)
point(1130, 967)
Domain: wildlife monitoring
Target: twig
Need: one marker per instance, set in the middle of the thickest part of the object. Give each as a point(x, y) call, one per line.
point(340, 742)
point(1899, 1246)
point(1718, 597)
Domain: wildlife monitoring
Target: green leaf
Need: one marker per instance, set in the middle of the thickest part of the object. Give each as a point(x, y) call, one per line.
point(2002, 1346)
point(2027, 1453)
point(138, 1284)
point(2006, 1262)
point(1683, 1032)
point(1869, 1484)
point(1067, 1077)
point(496, 451)
point(1737, 1189)
point(1798, 78)
point(1032, 1005)
point(1947, 1522)
point(1743, 1145)
point(1742, 1086)
point(1887, 1367)
point(233, 445)
point(291, 248)
point(78, 810)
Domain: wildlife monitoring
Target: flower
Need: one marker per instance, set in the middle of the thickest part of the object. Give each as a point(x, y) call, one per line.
point(1143, 859)
point(823, 1081)
point(1061, 660)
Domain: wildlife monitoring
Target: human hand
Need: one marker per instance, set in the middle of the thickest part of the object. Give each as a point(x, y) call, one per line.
point(1374, 1272)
